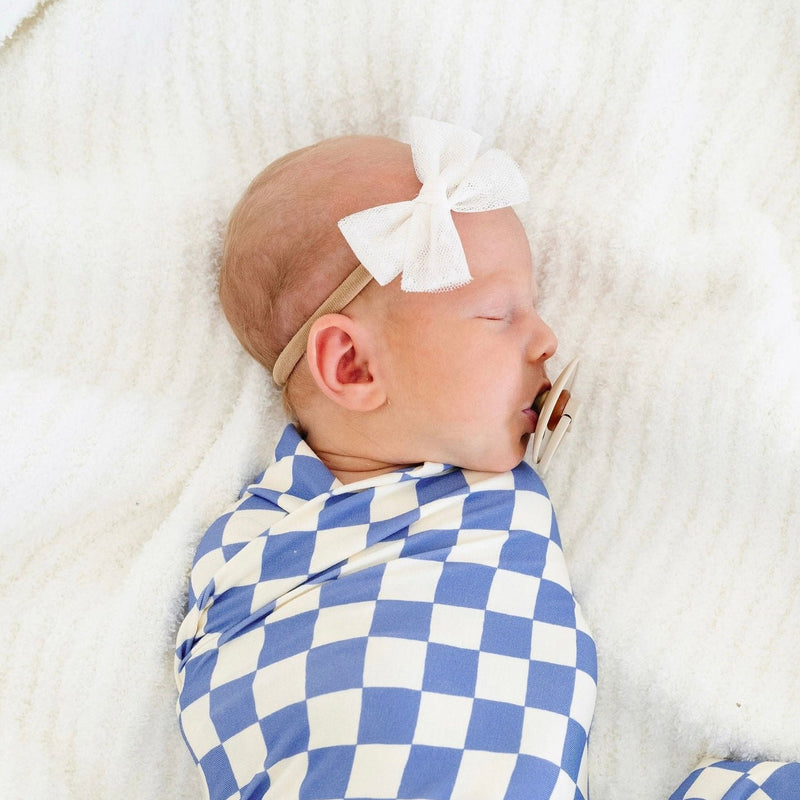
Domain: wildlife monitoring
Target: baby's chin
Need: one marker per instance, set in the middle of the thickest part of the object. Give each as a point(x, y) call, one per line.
point(498, 462)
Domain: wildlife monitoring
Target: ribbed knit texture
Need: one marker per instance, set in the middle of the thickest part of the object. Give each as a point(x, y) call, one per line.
point(661, 141)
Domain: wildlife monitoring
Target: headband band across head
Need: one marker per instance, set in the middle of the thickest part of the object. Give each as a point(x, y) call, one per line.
point(417, 238)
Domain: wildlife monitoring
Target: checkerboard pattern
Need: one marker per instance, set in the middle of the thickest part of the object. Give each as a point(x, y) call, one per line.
point(741, 780)
point(413, 635)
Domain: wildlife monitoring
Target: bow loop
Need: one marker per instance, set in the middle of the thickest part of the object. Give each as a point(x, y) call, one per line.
point(418, 238)
point(441, 149)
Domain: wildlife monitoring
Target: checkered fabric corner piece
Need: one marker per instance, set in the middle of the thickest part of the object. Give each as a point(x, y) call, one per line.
point(741, 780)
point(408, 636)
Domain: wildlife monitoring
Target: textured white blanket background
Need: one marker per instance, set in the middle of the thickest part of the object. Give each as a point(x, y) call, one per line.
point(662, 144)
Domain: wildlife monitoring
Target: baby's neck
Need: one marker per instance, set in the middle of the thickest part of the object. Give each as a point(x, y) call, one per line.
point(354, 446)
point(350, 468)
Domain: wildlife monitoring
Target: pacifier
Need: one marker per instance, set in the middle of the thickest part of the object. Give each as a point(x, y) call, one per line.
point(556, 408)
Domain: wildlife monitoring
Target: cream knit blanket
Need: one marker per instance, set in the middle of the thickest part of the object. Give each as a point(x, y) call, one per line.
point(661, 141)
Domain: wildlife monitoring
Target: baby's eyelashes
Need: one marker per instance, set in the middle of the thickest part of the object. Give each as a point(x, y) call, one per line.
point(497, 316)
point(507, 308)
point(510, 314)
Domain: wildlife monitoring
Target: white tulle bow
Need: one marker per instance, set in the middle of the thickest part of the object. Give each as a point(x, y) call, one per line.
point(418, 237)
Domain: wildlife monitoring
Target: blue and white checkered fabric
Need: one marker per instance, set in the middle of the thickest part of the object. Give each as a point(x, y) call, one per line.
point(413, 635)
point(741, 780)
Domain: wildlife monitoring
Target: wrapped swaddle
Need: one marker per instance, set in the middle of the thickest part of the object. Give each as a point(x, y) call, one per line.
point(412, 635)
point(741, 780)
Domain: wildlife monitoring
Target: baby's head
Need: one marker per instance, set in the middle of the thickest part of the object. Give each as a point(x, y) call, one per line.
point(284, 253)
point(385, 377)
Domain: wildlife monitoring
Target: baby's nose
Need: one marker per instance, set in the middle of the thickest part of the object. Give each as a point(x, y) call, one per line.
point(544, 342)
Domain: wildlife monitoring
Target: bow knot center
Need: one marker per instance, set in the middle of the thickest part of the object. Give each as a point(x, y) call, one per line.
point(433, 192)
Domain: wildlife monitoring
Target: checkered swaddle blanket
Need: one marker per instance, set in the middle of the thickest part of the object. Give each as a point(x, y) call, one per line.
point(413, 635)
point(741, 780)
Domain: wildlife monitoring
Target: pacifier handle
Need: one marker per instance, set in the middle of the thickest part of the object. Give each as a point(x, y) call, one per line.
point(556, 408)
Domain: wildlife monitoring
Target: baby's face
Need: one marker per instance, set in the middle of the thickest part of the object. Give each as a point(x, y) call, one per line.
point(463, 367)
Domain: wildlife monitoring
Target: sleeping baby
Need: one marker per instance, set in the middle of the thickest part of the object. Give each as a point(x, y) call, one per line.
point(386, 610)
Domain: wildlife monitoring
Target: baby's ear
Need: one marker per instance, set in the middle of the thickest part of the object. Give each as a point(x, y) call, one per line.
point(340, 352)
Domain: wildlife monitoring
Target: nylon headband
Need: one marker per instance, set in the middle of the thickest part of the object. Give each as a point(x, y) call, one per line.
point(346, 291)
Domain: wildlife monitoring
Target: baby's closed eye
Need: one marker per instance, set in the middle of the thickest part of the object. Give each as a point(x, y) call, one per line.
point(495, 316)
point(508, 313)
point(495, 310)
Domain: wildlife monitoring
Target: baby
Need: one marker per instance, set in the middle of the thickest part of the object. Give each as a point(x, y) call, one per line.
point(386, 611)
point(367, 391)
